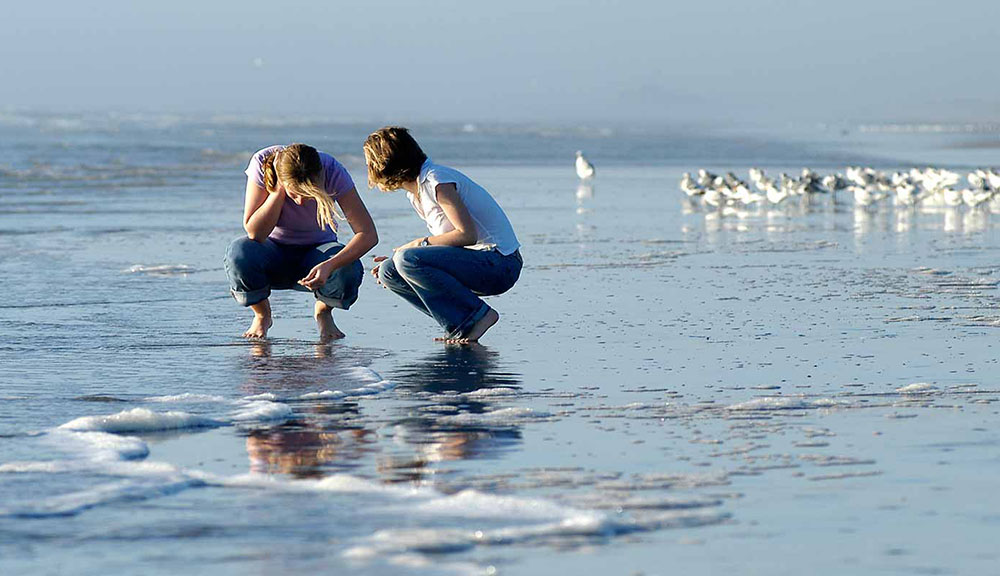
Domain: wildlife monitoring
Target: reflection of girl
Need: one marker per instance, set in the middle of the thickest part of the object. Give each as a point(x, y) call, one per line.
point(291, 241)
point(471, 250)
point(306, 452)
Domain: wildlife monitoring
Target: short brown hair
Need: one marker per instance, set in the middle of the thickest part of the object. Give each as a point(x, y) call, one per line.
point(393, 157)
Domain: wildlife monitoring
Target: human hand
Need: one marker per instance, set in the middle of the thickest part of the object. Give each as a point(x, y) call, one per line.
point(378, 264)
point(411, 244)
point(318, 275)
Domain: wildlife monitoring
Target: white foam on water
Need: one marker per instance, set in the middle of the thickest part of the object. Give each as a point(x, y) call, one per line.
point(498, 417)
point(364, 374)
point(420, 561)
point(367, 390)
point(140, 420)
point(345, 483)
point(185, 397)
point(102, 445)
point(265, 396)
point(500, 391)
point(325, 394)
point(76, 502)
point(371, 389)
point(44, 466)
point(261, 411)
point(424, 540)
point(356, 484)
point(605, 501)
point(784, 403)
point(577, 525)
point(534, 521)
point(917, 388)
point(161, 269)
point(475, 504)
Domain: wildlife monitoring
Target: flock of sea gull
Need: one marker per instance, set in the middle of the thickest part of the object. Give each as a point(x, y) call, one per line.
point(927, 186)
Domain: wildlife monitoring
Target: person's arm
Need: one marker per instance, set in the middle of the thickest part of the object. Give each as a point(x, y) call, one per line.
point(261, 210)
point(464, 233)
point(365, 238)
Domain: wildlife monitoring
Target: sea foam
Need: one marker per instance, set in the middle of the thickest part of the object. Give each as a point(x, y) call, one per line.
point(75, 502)
point(261, 411)
point(371, 389)
point(784, 403)
point(185, 398)
point(917, 388)
point(140, 420)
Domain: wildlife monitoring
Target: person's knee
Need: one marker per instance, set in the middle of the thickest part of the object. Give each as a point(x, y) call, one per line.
point(344, 281)
point(387, 269)
point(388, 273)
point(341, 289)
point(407, 261)
point(242, 252)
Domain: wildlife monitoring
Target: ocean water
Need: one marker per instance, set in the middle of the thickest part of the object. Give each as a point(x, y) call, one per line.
point(808, 389)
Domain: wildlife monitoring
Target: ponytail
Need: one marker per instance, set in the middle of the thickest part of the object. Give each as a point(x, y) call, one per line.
point(270, 174)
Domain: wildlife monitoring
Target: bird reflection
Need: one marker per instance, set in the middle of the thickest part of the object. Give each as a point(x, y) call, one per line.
point(584, 193)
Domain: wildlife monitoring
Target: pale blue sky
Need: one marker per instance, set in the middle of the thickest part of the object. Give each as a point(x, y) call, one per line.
point(631, 61)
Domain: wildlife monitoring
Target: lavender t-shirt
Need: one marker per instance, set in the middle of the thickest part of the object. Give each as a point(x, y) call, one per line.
point(297, 223)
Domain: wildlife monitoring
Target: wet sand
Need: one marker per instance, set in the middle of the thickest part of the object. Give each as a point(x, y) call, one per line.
point(805, 390)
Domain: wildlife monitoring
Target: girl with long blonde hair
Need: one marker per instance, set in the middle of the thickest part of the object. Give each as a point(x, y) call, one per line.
point(290, 216)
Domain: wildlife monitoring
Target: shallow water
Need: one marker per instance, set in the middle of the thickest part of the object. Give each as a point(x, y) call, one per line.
point(804, 390)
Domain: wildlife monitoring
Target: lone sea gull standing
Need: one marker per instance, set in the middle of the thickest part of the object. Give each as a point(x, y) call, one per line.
point(584, 169)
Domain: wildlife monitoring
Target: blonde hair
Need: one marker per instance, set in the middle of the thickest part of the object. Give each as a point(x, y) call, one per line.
point(299, 168)
point(393, 157)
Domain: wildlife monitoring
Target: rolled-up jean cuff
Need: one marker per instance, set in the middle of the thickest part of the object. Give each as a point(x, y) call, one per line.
point(469, 322)
point(332, 302)
point(251, 297)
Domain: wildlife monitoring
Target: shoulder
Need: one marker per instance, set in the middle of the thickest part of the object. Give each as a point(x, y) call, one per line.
point(329, 162)
point(259, 155)
point(435, 174)
point(257, 159)
point(336, 178)
point(255, 169)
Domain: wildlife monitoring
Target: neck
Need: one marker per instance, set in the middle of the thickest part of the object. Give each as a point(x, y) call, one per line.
point(411, 186)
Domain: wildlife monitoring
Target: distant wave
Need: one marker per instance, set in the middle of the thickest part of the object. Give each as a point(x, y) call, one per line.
point(932, 128)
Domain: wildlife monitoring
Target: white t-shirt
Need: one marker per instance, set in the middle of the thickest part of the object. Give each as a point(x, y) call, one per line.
point(493, 229)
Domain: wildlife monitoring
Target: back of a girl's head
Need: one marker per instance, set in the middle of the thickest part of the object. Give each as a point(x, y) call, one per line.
point(298, 164)
point(300, 169)
point(393, 157)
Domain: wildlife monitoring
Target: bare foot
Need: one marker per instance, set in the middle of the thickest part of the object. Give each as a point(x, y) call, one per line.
point(261, 321)
point(258, 328)
point(324, 320)
point(477, 330)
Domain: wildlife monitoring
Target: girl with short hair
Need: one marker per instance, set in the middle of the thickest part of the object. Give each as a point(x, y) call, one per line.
point(471, 249)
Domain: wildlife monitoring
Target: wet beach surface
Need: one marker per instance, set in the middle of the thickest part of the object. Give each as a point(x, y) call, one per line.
point(810, 389)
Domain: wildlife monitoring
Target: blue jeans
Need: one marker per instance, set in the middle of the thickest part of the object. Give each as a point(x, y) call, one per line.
point(256, 268)
point(445, 282)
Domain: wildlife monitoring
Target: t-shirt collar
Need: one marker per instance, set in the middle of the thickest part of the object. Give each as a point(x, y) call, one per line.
point(424, 169)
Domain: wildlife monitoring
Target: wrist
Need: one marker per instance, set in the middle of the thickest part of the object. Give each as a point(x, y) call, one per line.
point(425, 241)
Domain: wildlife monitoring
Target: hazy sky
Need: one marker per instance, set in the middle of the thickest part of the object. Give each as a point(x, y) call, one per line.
point(590, 61)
